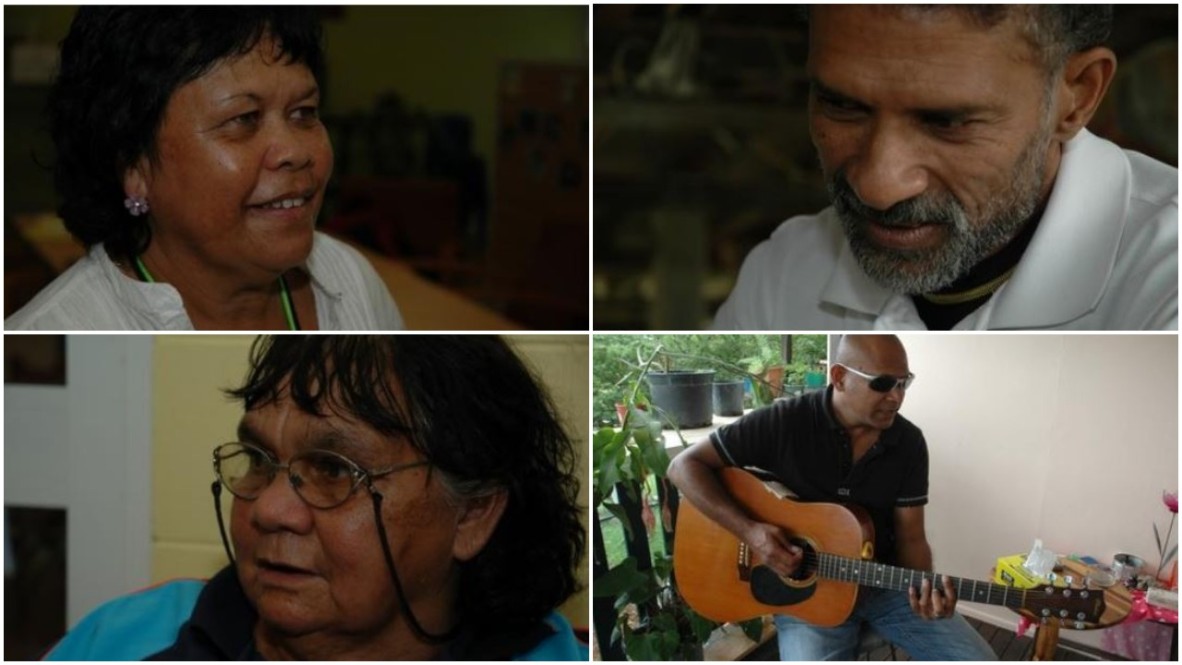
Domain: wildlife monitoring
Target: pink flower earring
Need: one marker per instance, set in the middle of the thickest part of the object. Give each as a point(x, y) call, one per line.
point(136, 205)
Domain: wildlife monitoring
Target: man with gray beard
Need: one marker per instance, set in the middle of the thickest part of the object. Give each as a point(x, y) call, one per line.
point(967, 193)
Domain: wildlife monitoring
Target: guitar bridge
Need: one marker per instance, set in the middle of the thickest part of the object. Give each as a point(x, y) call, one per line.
point(744, 562)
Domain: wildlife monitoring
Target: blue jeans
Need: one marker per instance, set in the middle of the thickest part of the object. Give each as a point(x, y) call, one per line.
point(891, 616)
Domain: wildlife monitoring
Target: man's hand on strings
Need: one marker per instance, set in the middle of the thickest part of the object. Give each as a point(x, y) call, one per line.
point(771, 546)
point(932, 603)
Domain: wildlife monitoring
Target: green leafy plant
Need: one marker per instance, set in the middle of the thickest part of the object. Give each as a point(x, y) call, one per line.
point(653, 621)
point(806, 370)
point(766, 355)
point(808, 354)
point(615, 364)
point(767, 363)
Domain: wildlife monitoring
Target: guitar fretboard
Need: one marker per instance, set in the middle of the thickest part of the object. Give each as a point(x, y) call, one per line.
point(883, 576)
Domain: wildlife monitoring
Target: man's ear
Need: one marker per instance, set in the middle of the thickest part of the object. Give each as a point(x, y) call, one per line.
point(478, 520)
point(1081, 88)
point(837, 376)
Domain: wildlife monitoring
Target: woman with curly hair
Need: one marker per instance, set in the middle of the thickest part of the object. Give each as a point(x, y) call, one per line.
point(192, 163)
point(394, 498)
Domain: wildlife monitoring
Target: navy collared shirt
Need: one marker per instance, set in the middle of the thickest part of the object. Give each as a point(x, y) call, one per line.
point(800, 442)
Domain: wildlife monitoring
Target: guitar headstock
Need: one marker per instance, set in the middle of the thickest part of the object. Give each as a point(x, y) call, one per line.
point(1079, 609)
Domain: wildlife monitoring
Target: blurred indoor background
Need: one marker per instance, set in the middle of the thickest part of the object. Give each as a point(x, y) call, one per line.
point(461, 144)
point(701, 144)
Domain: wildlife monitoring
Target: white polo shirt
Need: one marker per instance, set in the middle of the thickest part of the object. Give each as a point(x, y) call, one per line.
point(93, 294)
point(1104, 257)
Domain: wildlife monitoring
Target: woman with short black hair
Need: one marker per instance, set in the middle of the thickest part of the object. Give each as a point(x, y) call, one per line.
point(192, 163)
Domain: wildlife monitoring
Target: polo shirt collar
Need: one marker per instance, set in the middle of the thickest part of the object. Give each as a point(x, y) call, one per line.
point(886, 437)
point(323, 280)
point(158, 303)
point(1066, 267)
point(827, 409)
point(848, 285)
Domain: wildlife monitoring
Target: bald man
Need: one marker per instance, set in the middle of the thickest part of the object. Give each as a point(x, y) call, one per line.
point(844, 444)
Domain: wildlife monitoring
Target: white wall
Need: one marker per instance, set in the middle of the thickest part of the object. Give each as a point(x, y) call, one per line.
point(1067, 438)
point(85, 447)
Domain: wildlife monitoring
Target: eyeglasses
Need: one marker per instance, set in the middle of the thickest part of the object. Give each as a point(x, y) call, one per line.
point(884, 383)
point(322, 478)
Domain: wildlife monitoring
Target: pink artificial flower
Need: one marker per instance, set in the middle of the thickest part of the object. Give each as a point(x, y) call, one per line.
point(1171, 500)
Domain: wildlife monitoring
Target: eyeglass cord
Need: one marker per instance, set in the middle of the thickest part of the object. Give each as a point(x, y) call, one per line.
point(216, 488)
point(415, 626)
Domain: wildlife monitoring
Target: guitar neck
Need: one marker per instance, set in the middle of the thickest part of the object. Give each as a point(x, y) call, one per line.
point(883, 576)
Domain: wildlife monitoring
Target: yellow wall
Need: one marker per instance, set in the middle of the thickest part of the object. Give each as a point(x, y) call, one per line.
point(38, 23)
point(190, 417)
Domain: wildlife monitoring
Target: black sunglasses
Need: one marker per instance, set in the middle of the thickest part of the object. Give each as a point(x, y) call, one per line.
point(884, 383)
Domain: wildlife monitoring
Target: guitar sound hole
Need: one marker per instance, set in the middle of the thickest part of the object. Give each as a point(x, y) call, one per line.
point(808, 564)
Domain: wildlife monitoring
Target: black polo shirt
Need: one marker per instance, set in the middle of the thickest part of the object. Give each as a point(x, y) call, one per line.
point(800, 442)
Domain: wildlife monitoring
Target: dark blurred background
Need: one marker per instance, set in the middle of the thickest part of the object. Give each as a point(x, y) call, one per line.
point(461, 144)
point(701, 144)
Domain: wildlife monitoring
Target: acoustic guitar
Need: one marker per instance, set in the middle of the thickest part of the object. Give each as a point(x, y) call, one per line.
point(722, 579)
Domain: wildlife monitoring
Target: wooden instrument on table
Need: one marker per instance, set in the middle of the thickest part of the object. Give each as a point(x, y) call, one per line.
point(723, 580)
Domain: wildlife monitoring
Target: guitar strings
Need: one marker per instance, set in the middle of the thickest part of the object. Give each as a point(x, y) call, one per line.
point(871, 573)
point(824, 562)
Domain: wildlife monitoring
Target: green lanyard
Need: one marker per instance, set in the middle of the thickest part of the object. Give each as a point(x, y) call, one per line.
point(289, 312)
